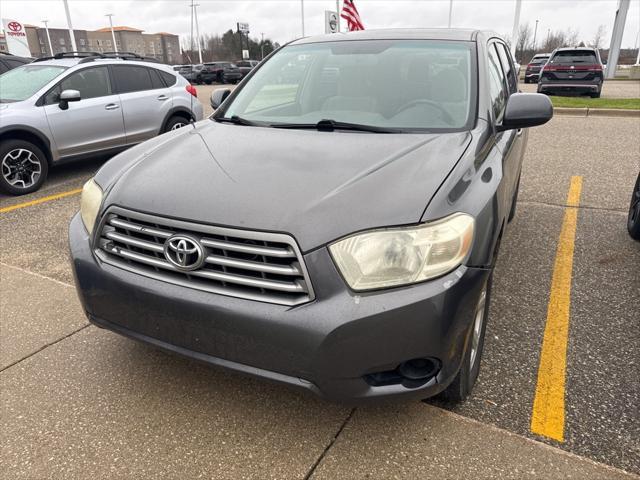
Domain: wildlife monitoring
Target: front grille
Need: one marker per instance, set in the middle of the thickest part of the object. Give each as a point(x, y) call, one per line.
point(248, 264)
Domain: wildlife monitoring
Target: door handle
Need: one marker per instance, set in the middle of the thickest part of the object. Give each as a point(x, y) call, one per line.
point(163, 97)
point(111, 106)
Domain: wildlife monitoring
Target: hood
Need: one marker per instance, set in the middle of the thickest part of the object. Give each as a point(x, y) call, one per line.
point(316, 186)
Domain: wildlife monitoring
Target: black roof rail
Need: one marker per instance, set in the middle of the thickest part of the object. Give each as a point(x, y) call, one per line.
point(130, 56)
point(61, 55)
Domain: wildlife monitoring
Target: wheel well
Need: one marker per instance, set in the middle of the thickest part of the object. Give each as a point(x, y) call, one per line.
point(178, 113)
point(28, 137)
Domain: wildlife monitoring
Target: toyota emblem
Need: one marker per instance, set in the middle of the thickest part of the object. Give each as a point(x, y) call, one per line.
point(14, 26)
point(184, 252)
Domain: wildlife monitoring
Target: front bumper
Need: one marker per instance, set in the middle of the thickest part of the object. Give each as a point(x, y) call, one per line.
point(327, 346)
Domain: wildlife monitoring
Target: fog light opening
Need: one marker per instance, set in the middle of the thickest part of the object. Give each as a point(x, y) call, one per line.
point(419, 368)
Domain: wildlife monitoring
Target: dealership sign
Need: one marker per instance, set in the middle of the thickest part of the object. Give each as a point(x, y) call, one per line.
point(16, 37)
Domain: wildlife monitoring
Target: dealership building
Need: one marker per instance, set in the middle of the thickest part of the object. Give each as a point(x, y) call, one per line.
point(163, 46)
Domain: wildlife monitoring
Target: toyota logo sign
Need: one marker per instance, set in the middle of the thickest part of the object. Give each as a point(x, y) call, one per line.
point(14, 26)
point(184, 252)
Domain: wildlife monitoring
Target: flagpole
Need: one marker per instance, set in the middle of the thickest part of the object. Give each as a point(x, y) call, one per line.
point(516, 24)
point(450, 11)
point(73, 39)
point(113, 35)
point(338, 12)
point(302, 15)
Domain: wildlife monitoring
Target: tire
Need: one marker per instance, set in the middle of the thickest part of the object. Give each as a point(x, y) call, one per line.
point(23, 167)
point(526, 80)
point(174, 123)
point(208, 82)
point(633, 221)
point(514, 202)
point(595, 95)
point(461, 387)
point(220, 77)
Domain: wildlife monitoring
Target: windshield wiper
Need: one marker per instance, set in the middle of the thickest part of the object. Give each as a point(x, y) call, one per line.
point(236, 120)
point(327, 125)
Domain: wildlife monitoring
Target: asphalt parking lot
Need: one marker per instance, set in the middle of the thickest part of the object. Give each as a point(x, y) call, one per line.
point(80, 402)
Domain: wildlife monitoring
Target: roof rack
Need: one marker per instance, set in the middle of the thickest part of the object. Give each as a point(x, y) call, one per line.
point(129, 56)
point(61, 55)
point(91, 56)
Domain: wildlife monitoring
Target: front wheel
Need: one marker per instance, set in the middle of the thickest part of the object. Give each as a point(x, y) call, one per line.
point(462, 385)
point(175, 123)
point(633, 221)
point(23, 167)
point(595, 95)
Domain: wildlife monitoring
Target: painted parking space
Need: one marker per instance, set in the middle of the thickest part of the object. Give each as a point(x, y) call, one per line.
point(601, 335)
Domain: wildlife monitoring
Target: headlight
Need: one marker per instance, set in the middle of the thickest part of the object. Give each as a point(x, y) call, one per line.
point(400, 256)
point(90, 204)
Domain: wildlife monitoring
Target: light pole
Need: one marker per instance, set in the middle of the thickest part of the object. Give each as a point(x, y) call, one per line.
point(262, 47)
point(535, 33)
point(113, 35)
point(195, 15)
point(450, 11)
point(338, 13)
point(516, 24)
point(302, 15)
point(46, 27)
point(73, 38)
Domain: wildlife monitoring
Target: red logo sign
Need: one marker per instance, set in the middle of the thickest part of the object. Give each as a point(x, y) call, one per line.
point(14, 26)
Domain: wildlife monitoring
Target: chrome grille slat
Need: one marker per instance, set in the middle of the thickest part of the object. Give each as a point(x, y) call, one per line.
point(252, 250)
point(134, 242)
point(254, 265)
point(224, 277)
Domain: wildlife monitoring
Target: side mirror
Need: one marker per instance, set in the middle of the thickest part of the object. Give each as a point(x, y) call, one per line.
point(68, 96)
point(219, 96)
point(526, 110)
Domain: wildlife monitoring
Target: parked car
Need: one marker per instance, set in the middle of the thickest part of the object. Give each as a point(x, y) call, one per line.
point(633, 221)
point(532, 72)
point(338, 234)
point(74, 105)
point(9, 62)
point(221, 72)
point(245, 66)
point(574, 71)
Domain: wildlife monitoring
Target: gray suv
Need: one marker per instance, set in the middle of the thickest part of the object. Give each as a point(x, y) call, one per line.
point(333, 226)
point(78, 104)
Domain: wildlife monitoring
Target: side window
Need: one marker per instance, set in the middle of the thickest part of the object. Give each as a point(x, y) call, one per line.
point(508, 67)
point(156, 82)
point(90, 82)
point(497, 85)
point(130, 78)
point(169, 79)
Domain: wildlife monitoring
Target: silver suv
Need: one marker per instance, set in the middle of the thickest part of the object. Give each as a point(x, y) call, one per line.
point(74, 105)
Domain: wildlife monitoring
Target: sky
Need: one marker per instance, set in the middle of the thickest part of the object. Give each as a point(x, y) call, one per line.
point(280, 20)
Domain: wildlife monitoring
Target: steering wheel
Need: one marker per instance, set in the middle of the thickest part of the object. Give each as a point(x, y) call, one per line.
point(446, 116)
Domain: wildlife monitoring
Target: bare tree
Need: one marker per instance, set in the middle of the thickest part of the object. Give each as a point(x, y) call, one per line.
point(598, 38)
point(524, 40)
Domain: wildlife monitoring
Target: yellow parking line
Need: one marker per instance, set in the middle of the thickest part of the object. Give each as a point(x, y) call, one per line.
point(547, 418)
point(40, 200)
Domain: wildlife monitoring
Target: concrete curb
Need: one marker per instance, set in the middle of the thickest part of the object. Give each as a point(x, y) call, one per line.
point(595, 112)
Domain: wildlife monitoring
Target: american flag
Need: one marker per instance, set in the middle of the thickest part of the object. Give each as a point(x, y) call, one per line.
point(351, 15)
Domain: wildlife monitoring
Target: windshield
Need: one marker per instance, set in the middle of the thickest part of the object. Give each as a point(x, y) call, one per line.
point(22, 82)
point(537, 60)
point(392, 84)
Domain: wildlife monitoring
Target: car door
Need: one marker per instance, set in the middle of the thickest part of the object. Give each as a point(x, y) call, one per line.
point(517, 146)
point(146, 101)
point(92, 124)
point(499, 94)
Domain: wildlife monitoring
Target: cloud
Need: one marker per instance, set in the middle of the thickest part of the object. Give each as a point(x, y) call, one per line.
point(281, 19)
